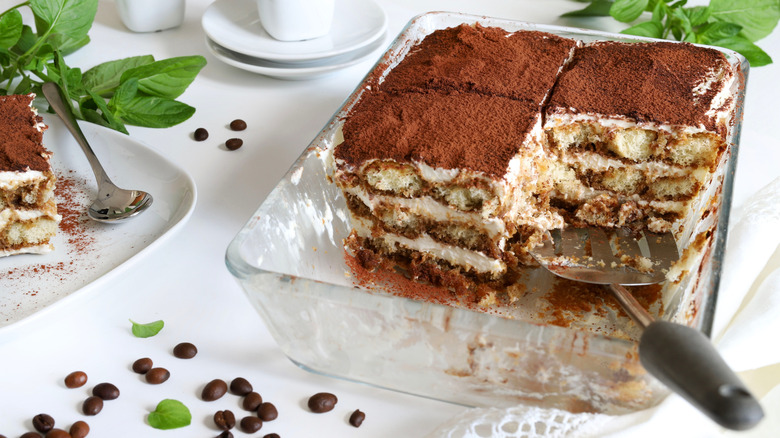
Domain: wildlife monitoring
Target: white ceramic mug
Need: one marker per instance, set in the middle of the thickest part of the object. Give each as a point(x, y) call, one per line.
point(296, 20)
point(150, 15)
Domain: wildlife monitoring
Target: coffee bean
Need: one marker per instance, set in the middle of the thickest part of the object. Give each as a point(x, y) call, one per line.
point(79, 429)
point(251, 424)
point(30, 435)
point(57, 433)
point(234, 143)
point(185, 350)
point(357, 417)
point(76, 379)
point(214, 390)
point(238, 125)
point(322, 402)
point(240, 386)
point(252, 401)
point(106, 391)
point(225, 434)
point(143, 365)
point(271, 435)
point(225, 420)
point(158, 375)
point(201, 134)
point(92, 405)
point(267, 412)
point(43, 423)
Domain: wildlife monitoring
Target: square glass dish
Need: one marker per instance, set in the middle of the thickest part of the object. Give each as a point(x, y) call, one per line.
point(289, 258)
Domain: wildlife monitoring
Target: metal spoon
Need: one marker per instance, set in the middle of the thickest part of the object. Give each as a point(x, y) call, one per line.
point(113, 204)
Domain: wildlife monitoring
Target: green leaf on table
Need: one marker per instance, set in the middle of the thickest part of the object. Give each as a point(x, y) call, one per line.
point(681, 20)
point(10, 28)
point(147, 330)
point(597, 8)
point(64, 22)
point(746, 48)
point(103, 78)
point(627, 10)
point(649, 29)
point(105, 117)
point(124, 95)
point(168, 77)
point(169, 414)
point(757, 17)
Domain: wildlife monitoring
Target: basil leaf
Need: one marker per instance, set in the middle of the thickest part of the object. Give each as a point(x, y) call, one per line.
point(168, 77)
point(124, 94)
point(153, 112)
point(169, 414)
point(147, 330)
point(597, 8)
point(650, 29)
point(105, 117)
point(103, 78)
point(65, 21)
point(627, 10)
point(746, 48)
point(681, 19)
point(698, 15)
point(757, 17)
point(10, 28)
point(717, 30)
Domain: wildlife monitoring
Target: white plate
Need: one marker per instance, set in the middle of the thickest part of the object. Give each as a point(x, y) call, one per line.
point(291, 71)
point(88, 254)
point(235, 25)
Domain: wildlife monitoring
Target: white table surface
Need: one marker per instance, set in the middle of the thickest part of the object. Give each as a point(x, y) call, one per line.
point(185, 282)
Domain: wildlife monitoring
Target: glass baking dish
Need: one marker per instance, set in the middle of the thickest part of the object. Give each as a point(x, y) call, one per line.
point(290, 261)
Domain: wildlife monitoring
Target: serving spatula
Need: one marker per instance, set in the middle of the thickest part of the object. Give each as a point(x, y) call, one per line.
point(679, 356)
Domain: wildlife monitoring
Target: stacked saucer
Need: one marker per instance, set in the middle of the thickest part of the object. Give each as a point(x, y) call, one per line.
point(235, 36)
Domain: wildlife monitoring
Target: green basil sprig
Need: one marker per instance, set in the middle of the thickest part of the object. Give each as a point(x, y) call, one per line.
point(733, 24)
point(138, 91)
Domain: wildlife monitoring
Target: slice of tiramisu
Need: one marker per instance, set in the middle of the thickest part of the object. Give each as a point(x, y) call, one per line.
point(636, 129)
point(28, 211)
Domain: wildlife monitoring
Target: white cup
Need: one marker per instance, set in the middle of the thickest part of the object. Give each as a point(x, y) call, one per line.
point(150, 15)
point(296, 20)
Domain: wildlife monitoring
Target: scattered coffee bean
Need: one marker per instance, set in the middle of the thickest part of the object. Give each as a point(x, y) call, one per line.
point(185, 350)
point(322, 402)
point(92, 405)
point(271, 435)
point(234, 143)
point(214, 390)
point(30, 435)
point(357, 417)
point(201, 134)
point(252, 401)
point(225, 420)
point(76, 379)
point(267, 412)
point(79, 429)
point(57, 433)
point(240, 386)
point(43, 423)
point(238, 125)
point(251, 424)
point(106, 391)
point(143, 365)
point(225, 434)
point(158, 375)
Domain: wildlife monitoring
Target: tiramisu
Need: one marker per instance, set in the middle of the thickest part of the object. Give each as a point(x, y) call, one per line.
point(480, 140)
point(28, 211)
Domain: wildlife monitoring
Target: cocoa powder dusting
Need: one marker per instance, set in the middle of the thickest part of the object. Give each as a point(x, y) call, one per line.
point(646, 82)
point(444, 130)
point(484, 60)
point(20, 140)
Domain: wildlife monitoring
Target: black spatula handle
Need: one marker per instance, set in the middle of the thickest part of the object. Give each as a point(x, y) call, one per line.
point(686, 361)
